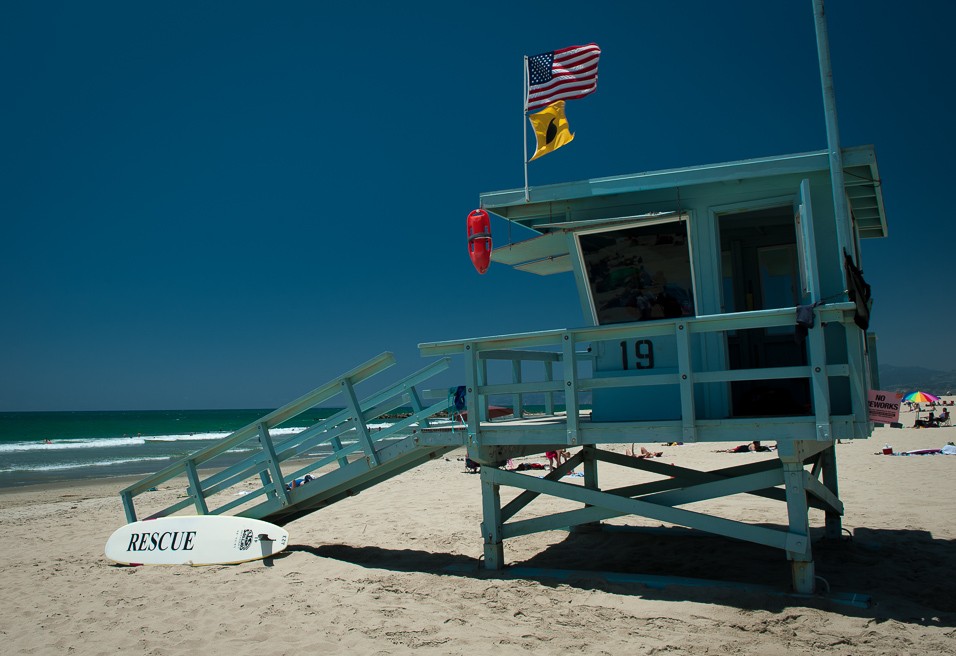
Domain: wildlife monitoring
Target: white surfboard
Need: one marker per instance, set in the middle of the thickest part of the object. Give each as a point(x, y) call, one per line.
point(195, 540)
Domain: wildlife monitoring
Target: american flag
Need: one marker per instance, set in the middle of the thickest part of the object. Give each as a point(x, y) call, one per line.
point(562, 75)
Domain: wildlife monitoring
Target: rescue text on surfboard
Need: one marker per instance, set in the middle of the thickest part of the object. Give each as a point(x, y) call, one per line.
point(162, 541)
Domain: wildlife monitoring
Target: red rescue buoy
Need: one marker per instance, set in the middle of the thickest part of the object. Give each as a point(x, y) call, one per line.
point(479, 239)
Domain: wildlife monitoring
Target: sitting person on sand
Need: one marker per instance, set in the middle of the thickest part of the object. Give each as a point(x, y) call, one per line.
point(929, 422)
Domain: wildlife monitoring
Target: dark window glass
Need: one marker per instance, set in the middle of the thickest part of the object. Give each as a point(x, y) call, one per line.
point(639, 273)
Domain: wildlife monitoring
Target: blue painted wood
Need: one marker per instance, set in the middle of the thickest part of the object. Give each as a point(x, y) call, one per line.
point(250, 433)
point(574, 197)
point(242, 500)
point(549, 396)
point(858, 378)
point(516, 398)
point(711, 524)
point(693, 421)
point(476, 373)
point(340, 457)
point(684, 486)
point(546, 246)
point(834, 515)
point(571, 401)
point(491, 525)
point(264, 463)
point(685, 397)
point(547, 267)
point(176, 507)
point(824, 494)
point(195, 488)
point(128, 507)
point(272, 461)
point(807, 245)
point(358, 422)
point(342, 483)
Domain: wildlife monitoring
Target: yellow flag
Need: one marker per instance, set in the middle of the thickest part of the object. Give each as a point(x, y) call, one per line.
point(551, 129)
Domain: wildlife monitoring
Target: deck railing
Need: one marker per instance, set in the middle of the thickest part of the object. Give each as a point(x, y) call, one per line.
point(563, 347)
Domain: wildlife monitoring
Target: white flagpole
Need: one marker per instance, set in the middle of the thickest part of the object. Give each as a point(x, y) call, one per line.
point(833, 133)
point(524, 102)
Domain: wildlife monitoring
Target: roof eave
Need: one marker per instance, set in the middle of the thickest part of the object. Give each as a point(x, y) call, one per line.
point(511, 204)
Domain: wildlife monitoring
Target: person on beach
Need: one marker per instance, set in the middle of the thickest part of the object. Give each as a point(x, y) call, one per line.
point(929, 422)
point(553, 460)
point(563, 456)
point(299, 482)
point(744, 448)
point(644, 453)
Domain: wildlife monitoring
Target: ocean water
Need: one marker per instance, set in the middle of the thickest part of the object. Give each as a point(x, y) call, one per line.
point(43, 447)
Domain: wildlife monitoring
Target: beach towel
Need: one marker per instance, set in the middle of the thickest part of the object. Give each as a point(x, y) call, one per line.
point(948, 450)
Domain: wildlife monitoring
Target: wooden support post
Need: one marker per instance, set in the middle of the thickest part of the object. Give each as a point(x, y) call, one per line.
point(364, 438)
point(590, 467)
point(417, 406)
point(855, 344)
point(685, 369)
point(516, 399)
point(127, 498)
point(491, 531)
point(549, 396)
point(570, 365)
point(193, 476)
point(337, 446)
point(278, 482)
point(476, 374)
point(819, 381)
point(834, 521)
point(798, 540)
point(266, 481)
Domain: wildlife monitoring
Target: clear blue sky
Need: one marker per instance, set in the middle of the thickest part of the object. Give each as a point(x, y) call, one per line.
point(225, 204)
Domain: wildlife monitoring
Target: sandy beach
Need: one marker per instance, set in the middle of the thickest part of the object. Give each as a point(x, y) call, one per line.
point(396, 570)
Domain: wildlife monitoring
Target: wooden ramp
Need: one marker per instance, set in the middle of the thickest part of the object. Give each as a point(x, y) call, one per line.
point(356, 476)
point(341, 454)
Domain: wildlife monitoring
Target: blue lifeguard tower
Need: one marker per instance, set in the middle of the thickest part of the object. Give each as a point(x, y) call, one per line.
point(724, 303)
point(719, 307)
point(720, 311)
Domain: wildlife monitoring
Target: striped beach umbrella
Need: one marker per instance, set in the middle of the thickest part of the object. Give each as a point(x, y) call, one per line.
point(920, 397)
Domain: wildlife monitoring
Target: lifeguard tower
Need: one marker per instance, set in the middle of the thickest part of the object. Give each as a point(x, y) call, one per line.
point(718, 308)
point(720, 311)
point(723, 304)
